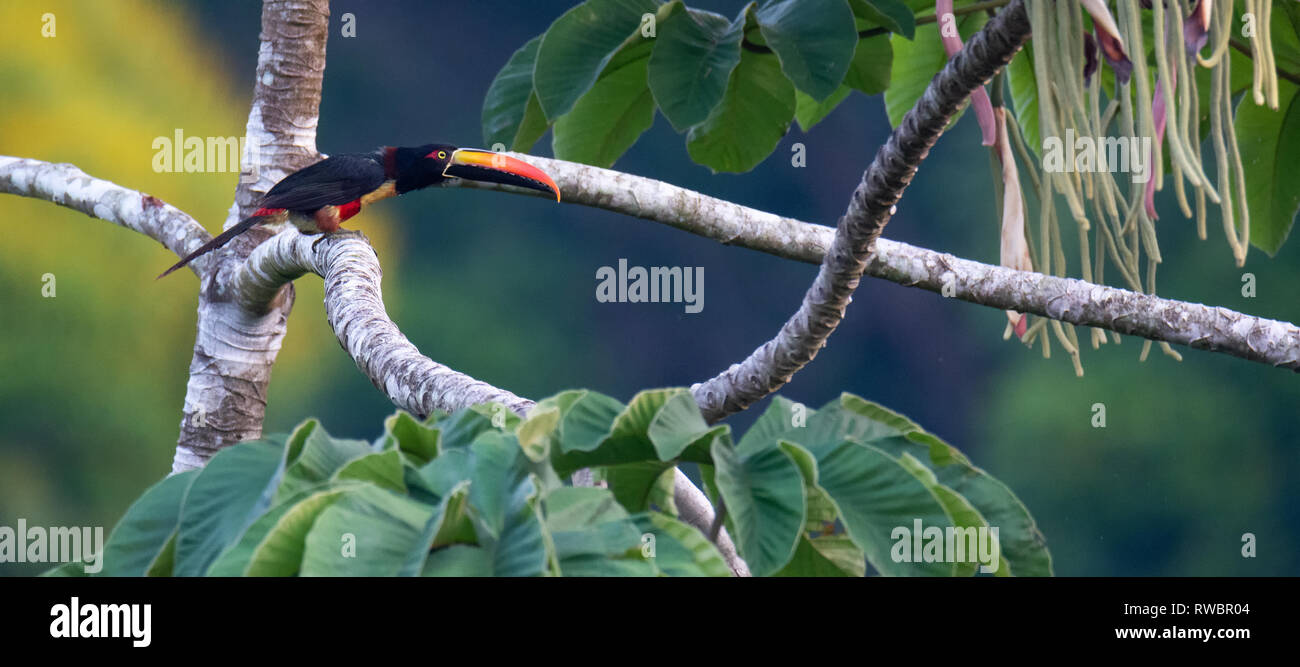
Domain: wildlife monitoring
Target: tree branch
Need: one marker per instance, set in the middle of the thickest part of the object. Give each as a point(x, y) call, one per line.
point(66, 185)
point(235, 348)
point(771, 365)
point(354, 306)
point(1069, 300)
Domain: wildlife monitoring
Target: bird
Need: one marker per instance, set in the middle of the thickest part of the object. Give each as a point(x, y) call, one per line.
point(318, 198)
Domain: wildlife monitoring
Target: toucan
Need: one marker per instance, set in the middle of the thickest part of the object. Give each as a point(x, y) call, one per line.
point(316, 199)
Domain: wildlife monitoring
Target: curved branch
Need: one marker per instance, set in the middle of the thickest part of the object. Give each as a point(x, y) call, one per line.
point(355, 309)
point(771, 365)
point(1200, 327)
point(66, 185)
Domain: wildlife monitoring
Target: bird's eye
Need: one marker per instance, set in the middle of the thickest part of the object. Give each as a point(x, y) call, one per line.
point(442, 155)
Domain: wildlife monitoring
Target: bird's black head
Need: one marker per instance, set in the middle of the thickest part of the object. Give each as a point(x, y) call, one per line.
point(421, 166)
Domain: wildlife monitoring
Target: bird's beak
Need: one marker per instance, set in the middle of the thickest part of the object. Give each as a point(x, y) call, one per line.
point(480, 165)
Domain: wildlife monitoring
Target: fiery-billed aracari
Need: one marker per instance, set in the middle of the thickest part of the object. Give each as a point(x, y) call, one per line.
point(318, 198)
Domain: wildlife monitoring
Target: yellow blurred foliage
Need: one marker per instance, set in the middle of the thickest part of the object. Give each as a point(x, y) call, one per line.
point(109, 353)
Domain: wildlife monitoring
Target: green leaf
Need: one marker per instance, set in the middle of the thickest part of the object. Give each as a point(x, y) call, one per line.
point(872, 61)
point(460, 429)
point(694, 54)
point(1024, 97)
point(383, 469)
point(1023, 546)
point(892, 14)
point(320, 457)
point(814, 39)
point(508, 108)
point(916, 62)
point(454, 523)
point(764, 496)
point(578, 46)
point(638, 485)
point(366, 531)
point(1270, 142)
point(680, 550)
point(417, 442)
point(226, 497)
point(273, 545)
point(876, 497)
point(593, 535)
point(965, 519)
point(609, 117)
point(501, 499)
point(145, 530)
point(678, 425)
point(833, 556)
point(457, 561)
point(754, 115)
point(781, 416)
point(809, 112)
point(659, 424)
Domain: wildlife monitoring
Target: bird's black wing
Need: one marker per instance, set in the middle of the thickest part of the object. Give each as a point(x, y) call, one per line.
point(333, 181)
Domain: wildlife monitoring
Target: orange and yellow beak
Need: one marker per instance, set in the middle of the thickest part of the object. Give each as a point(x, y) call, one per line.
point(481, 165)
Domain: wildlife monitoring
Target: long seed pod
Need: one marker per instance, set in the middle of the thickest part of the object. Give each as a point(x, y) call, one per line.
point(1169, 71)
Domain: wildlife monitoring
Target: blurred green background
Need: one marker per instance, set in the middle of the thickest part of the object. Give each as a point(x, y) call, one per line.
point(1194, 454)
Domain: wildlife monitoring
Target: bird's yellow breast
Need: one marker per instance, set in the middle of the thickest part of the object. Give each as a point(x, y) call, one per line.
point(388, 189)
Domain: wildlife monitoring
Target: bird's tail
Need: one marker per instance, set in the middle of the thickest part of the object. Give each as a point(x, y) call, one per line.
point(222, 239)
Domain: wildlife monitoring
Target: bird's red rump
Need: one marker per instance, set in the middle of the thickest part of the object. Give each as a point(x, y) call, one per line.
point(349, 209)
point(267, 211)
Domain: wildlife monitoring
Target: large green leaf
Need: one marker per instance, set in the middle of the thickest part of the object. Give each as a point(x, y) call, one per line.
point(1270, 142)
point(593, 535)
point(832, 556)
point(809, 112)
point(502, 497)
point(609, 117)
point(965, 519)
point(1023, 547)
point(781, 416)
point(892, 14)
point(511, 113)
point(754, 115)
point(578, 46)
point(680, 550)
point(1024, 97)
point(872, 61)
point(144, 531)
point(273, 545)
point(366, 531)
point(876, 496)
point(383, 469)
point(814, 39)
point(764, 496)
point(639, 485)
point(658, 424)
point(694, 54)
point(320, 457)
point(916, 62)
point(417, 442)
point(458, 561)
point(226, 497)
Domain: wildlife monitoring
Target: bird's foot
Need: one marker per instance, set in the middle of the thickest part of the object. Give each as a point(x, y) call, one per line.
point(340, 234)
